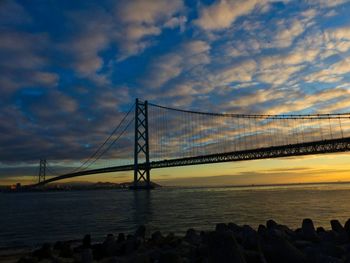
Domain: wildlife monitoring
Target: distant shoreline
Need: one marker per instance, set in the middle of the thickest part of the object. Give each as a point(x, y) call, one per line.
point(255, 185)
point(114, 186)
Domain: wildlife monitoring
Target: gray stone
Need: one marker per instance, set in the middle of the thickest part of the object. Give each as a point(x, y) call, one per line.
point(279, 250)
point(222, 227)
point(121, 238)
point(87, 241)
point(110, 246)
point(336, 226)
point(271, 224)
point(141, 232)
point(192, 237)
point(249, 238)
point(44, 252)
point(86, 255)
point(308, 230)
point(234, 228)
point(170, 257)
point(224, 248)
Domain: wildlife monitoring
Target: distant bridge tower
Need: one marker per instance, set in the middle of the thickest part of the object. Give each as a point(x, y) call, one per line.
point(141, 150)
point(42, 170)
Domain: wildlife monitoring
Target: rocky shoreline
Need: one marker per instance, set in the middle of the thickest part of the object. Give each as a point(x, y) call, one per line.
point(270, 243)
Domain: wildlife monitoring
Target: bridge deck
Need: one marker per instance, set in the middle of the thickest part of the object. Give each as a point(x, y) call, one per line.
point(316, 147)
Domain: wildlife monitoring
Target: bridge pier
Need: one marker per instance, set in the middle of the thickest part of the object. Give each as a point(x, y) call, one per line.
point(42, 170)
point(142, 169)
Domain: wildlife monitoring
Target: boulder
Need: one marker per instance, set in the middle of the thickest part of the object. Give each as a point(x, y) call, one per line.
point(192, 237)
point(271, 224)
point(28, 259)
point(222, 227)
point(109, 246)
point(86, 255)
point(170, 257)
point(223, 247)
point(249, 238)
point(278, 250)
point(347, 226)
point(308, 230)
point(121, 238)
point(87, 241)
point(157, 238)
point(45, 252)
point(336, 226)
point(234, 228)
point(141, 232)
point(66, 250)
point(320, 230)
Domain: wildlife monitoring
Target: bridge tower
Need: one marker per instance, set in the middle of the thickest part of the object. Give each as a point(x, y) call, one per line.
point(141, 149)
point(42, 170)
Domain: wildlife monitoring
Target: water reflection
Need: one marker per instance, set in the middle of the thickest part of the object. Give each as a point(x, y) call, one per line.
point(142, 210)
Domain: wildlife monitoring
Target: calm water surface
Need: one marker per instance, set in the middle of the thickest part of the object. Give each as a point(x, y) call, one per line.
point(34, 218)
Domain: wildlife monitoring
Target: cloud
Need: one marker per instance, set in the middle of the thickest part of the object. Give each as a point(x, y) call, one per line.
point(169, 66)
point(334, 73)
point(240, 72)
point(338, 39)
point(221, 14)
point(23, 61)
point(287, 33)
point(12, 13)
point(129, 25)
point(326, 3)
point(141, 19)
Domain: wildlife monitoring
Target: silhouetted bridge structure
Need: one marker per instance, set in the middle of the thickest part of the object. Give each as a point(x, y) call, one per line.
point(163, 137)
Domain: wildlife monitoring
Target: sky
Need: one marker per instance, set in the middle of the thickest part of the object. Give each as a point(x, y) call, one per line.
point(69, 70)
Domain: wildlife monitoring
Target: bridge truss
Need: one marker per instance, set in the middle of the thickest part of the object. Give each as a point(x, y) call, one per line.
point(168, 137)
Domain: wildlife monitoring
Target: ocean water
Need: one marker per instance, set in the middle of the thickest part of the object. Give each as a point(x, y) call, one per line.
point(29, 219)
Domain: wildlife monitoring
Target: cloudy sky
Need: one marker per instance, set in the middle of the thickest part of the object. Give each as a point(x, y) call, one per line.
point(69, 69)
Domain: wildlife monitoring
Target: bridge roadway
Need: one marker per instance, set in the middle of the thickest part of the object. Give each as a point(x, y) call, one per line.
point(308, 148)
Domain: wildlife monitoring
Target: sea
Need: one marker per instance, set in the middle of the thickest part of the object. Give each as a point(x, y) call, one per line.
point(32, 218)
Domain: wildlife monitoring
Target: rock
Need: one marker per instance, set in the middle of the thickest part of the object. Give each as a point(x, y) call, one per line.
point(157, 238)
point(141, 232)
point(320, 230)
point(324, 250)
point(66, 250)
point(249, 238)
point(271, 224)
point(279, 250)
point(131, 244)
point(121, 238)
point(301, 244)
point(252, 256)
point(234, 228)
point(327, 236)
point(28, 259)
point(221, 227)
point(332, 250)
point(170, 257)
point(223, 247)
point(192, 237)
point(336, 226)
point(86, 255)
point(347, 226)
point(172, 240)
point(262, 230)
point(308, 230)
point(87, 241)
point(109, 246)
point(44, 252)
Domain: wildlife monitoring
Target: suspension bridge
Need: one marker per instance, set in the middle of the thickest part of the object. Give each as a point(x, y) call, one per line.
point(151, 136)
